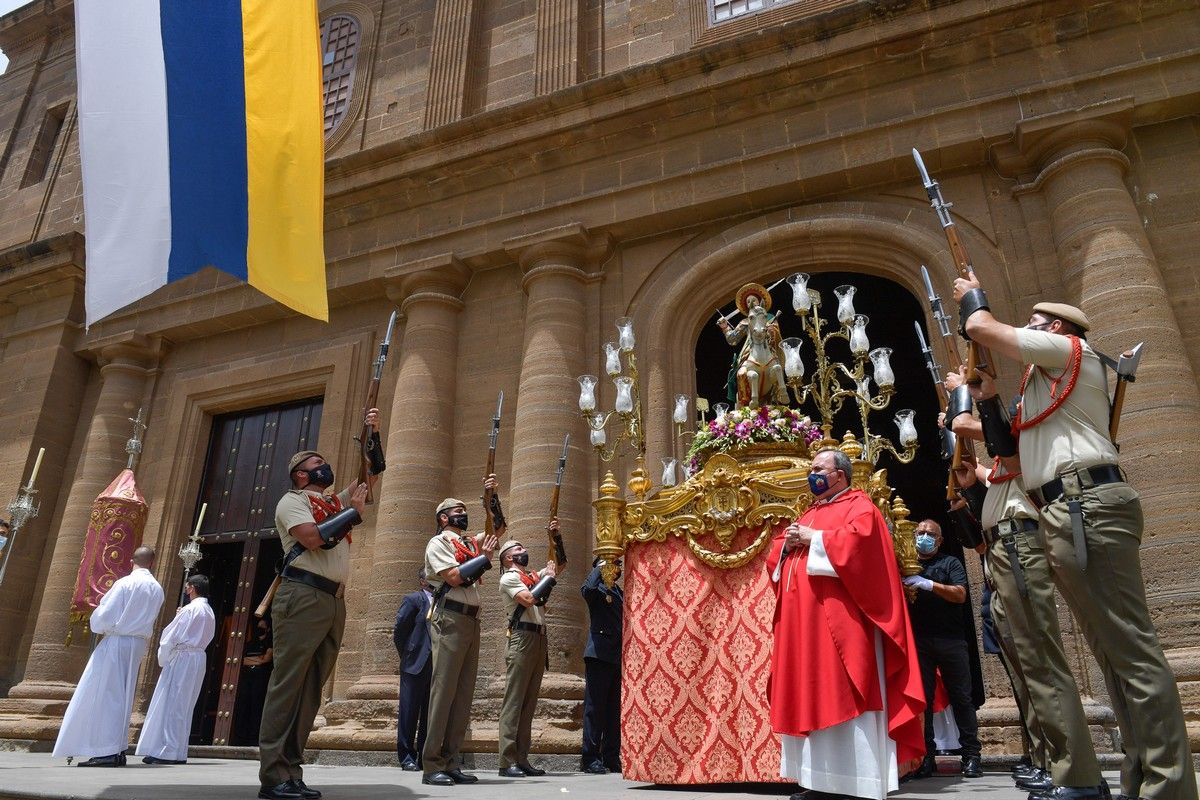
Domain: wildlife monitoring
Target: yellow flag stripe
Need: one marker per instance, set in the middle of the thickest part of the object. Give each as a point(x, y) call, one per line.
point(285, 251)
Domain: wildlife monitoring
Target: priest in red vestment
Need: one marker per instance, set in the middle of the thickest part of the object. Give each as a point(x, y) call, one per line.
point(845, 689)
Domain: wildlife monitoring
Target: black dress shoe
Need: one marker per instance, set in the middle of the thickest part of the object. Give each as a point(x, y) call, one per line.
point(305, 791)
point(512, 771)
point(1040, 781)
point(437, 779)
point(533, 772)
point(971, 768)
point(157, 760)
point(613, 766)
point(596, 768)
point(458, 776)
point(115, 760)
point(1067, 793)
point(408, 765)
point(282, 791)
point(927, 769)
point(1024, 765)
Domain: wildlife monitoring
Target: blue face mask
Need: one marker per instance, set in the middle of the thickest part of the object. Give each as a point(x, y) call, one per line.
point(926, 544)
point(818, 484)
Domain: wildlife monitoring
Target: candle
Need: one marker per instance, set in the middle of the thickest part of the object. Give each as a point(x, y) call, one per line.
point(200, 519)
point(36, 466)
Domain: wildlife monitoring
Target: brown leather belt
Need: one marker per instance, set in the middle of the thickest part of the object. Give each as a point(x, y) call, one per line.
point(460, 608)
point(1007, 527)
point(314, 580)
point(1098, 475)
point(529, 626)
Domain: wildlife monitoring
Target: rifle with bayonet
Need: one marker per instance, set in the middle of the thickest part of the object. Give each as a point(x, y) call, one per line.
point(978, 356)
point(558, 553)
point(952, 446)
point(493, 515)
point(370, 446)
point(371, 462)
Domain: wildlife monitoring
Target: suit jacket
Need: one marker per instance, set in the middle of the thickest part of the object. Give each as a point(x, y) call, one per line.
point(411, 633)
point(605, 610)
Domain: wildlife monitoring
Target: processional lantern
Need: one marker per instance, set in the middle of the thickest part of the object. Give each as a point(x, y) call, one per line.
point(21, 510)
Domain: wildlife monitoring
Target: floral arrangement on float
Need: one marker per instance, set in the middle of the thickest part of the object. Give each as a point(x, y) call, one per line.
point(744, 427)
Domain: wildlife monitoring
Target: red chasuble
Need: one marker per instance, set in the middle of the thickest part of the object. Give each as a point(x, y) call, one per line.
point(823, 669)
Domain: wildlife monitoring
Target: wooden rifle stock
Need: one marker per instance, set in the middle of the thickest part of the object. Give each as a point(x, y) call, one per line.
point(366, 439)
point(557, 553)
point(265, 605)
point(492, 513)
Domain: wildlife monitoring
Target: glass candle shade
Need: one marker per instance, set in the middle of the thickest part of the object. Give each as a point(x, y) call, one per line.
point(908, 431)
point(859, 344)
point(612, 359)
point(598, 436)
point(793, 365)
point(881, 360)
point(587, 393)
point(845, 296)
point(668, 472)
point(624, 385)
point(801, 302)
point(680, 414)
point(719, 411)
point(625, 334)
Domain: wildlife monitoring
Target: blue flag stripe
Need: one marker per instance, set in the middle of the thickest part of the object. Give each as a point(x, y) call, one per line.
point(206, 123)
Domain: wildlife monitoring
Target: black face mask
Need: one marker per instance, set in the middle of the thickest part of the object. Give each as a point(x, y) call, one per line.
point(321, 476)
point(458, 521)
point(522, 559)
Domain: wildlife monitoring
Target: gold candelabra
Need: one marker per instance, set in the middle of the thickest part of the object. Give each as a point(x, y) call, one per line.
point(627, 408)
point(833, 383)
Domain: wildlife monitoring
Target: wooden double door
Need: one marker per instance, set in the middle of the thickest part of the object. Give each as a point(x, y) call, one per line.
point(245, 474)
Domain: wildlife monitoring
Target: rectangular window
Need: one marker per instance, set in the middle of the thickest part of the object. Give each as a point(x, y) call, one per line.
point(42, 155)
point(721, 10)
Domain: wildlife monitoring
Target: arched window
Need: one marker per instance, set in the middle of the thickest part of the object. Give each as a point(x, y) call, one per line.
point(340, 35)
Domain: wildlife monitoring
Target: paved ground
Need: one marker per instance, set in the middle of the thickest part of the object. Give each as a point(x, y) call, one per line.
point(38, 775)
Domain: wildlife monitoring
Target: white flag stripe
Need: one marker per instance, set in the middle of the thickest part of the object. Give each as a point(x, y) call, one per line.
point(124, 151)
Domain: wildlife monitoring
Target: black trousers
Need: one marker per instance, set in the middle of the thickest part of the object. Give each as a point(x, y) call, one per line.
point(413, 715)
point(602, 714)
point(950, 656)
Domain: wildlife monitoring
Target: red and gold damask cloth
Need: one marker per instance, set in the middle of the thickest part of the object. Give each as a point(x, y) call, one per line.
point(696, 660)
point(114, 531)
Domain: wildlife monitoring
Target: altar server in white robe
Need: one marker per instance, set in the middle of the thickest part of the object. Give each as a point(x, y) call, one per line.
point(181, 647)
point(96, 725)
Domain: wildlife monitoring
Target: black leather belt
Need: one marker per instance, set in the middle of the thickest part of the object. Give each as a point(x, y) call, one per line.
point(528, 626)
point(314, 580)
point(460, 608)
point(1008, 527)
point(1099, 475)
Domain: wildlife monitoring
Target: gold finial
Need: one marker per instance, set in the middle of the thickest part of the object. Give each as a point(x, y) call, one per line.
point(851, 447)
point(639, 481)
point(609, 487)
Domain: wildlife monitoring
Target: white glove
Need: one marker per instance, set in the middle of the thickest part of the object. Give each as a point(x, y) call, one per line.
point(924, 584)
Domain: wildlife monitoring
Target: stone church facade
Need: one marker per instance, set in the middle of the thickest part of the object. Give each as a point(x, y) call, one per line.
point(515, 175)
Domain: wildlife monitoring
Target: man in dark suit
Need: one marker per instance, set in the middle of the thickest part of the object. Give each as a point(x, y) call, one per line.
point(602, 674)
point(411, 636)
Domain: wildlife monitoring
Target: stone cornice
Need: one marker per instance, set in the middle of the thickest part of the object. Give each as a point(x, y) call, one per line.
point(1040, 141)
point(31, 23)
point(45, 267)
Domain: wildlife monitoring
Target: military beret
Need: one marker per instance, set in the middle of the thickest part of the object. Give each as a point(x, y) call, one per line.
point(300, 458)
point(448, 504)
point(1065, 312)
point(509, 545)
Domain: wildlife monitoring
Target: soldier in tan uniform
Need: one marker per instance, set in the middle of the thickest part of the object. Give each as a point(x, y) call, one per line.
point(1091, 524)
point(1020, 575)
point(524, 592)
point(309, 614)
point(454, 562)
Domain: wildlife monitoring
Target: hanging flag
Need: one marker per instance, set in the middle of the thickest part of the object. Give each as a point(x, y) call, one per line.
point(202, 144)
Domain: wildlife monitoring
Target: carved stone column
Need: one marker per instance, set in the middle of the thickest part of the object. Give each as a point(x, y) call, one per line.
point(53, 669)
point(553, 356)
point(556, 61)
point(419, 443)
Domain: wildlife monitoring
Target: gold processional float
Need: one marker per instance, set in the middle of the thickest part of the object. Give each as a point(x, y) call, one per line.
point(747, 467)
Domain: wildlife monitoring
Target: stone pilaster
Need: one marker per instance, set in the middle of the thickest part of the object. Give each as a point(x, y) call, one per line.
point(556, 62)
point(449, 60)
point(127, 364)
point(555, 265)
point(419, 442)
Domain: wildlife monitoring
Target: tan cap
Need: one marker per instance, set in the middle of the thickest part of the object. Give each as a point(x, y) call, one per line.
point(1063, 311)
point(509, 545)
point(300, 458)
point(448, 504)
